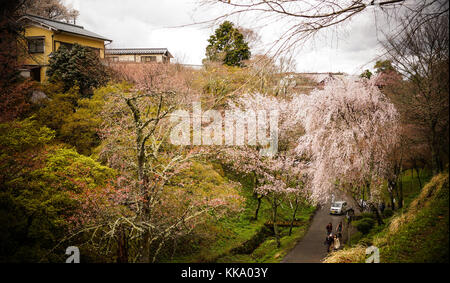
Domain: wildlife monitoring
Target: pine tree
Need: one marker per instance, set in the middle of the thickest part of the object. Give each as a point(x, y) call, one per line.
point(227, 44)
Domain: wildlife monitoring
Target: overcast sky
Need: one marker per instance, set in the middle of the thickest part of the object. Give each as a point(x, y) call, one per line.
point(149, 23)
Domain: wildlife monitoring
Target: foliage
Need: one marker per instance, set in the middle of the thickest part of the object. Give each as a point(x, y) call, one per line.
point(76, 120)
point(217, 82)
point(38, 188)
point(134, 134)
point(15, 91)
point(366, 74)
point(351, 128)
point(383, 66)
point(364, 225)
point(52, 9)
point(203, 182)
point(353, 255)
point(80, 128)
point(227, 45)
point(79, 66)
point(367, 215)
point(421, 55)
point(240, 232)
point(388, 213)
point(300, 20)
point(277, 175)
point(19, 136)
point(419, 235)
point(53, 112)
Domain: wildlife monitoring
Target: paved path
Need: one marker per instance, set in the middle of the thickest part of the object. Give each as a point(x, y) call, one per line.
point(311, 247)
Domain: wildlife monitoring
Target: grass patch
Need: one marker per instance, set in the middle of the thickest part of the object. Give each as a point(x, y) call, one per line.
point(422, 235)
point(267, 251)
point(232, 233)
point(416, 234)
point(411, 184)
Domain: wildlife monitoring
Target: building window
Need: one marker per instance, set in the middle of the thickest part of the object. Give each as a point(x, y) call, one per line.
point(36, 45)
point(114, 59)
point(146, 59)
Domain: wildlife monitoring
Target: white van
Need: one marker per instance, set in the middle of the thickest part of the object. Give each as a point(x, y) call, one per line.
point(338, 207)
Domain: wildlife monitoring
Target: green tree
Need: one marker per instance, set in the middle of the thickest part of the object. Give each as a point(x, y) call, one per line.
point(80, 128)
point(74, 119)
point(366, 74)
point(227, 44)
point(38, 189)
point(54, 111)
point(383, 66)
point(79, 66)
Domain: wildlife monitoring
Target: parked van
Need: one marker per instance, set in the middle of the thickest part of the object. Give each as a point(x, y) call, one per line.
point(338, 207)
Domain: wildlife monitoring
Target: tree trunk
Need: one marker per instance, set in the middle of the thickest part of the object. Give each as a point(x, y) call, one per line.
point(258, 207)
point(392, 189)
point(122, 249)
point(293, 216)
point(418, 177)
point(435, 158)
point(377, 214)
point(275, 224)
point(391, 195)
point(258, 198)
point(400, 193)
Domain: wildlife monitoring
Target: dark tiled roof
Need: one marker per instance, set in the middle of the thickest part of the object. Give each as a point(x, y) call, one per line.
point(64, 27)
point(124, 51)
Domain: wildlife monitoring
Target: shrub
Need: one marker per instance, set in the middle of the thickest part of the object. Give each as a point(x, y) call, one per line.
point(366, 241)
point(367, 215)
point(364, 225)
point(78, 66)
point(388, 213)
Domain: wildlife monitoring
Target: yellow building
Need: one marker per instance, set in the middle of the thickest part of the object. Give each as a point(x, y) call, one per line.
point(138, 55)
point(45, 36)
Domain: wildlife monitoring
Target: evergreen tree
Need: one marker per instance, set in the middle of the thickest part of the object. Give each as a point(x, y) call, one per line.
point(227, 44)
point(78, 66)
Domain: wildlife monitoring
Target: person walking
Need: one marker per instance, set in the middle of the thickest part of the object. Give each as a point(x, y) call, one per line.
point(339, 230)
point(336, 243)
point(329, 228)
point(330, 242)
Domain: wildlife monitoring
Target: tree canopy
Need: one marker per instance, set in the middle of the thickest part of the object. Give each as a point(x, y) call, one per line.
point(227, 44)
point(77, 66)
point(52, 9)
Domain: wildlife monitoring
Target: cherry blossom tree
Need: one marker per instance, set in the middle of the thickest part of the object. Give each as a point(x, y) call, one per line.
point(151, 207)
point(351, 129)
point(279, 174)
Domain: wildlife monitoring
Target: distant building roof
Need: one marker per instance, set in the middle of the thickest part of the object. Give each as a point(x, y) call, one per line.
point(64, 27)
point(125, 51)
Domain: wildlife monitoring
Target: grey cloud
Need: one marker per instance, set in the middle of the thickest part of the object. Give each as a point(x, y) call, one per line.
point(143, 23)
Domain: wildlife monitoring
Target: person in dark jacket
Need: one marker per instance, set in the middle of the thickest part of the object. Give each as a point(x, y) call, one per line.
point(330, 242)
point(339, 230)
point(329, 228)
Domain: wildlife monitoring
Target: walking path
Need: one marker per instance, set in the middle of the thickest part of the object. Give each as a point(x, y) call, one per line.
point(311, 247)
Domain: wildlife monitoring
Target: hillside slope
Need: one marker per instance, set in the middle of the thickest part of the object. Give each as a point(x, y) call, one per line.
point(421, 234)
